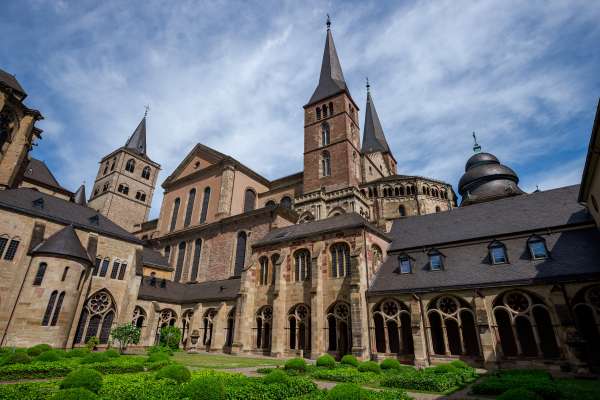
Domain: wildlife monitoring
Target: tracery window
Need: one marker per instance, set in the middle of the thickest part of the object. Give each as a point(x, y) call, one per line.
point(340, 260)
point(264, 270)
point(339, 327)
point(301, 265)
point(264, 318)
point(392, 326)
point(96, 318)
point(299, 327)
point(452, 327)
point(524, 325)
point(208, 325)
point(139, 317)
point(167, 317)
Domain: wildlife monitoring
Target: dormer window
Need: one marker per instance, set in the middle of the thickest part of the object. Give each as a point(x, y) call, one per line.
point(435, 261)
point(38, 203)
point(537, 248)
point(405, 265)
point(498, 253)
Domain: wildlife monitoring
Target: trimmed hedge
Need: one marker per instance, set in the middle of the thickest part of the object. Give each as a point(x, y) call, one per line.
point(351, 391)
point(74, 394)
point(177, 372)
point(50, 356)
point(276, 376)
point(93, 358)
point(420, 380)
point(296, 364)
point(78, 352)
point(326, 360)
point(205, 388)
point(369, 366)
point(112, 353)
point(83, 378)
point(345, 374)
point(16, 359)
point(38, 349)
point(349, 359)
point(390, 363)
point(158, 356)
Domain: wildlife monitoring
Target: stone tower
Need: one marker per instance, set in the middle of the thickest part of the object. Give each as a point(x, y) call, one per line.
point(125, 182)
point(331, 130)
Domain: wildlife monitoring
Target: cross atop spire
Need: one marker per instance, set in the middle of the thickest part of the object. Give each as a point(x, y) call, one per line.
point(368, 86)
point(476, 146)
point(331, 80)
point(373, 136)
point(137, 141)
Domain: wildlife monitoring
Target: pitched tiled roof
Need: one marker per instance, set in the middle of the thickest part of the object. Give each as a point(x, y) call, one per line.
point(332, 224)
point(32, 202)
point(184, 293)
point(12, 82)
point(63, 243)
point(154, 259)
point(37, 170)
point(528, 212)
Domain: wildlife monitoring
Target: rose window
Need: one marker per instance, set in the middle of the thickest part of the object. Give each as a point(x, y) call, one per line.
point(342, 311)
point(301, 312)
point(99, 303)
point(390, 308)
point(267, 313)
point(517, 302)
point(447, 305)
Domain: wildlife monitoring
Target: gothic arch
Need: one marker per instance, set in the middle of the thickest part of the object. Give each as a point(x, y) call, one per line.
point(230, 328)
point(139, 317)
point(336, 211)
point(306, 216)
point(452, 326)
point(299, 327)
point(264, 321)
point(339, 328)
point(524, 325)
point(208, 324)
point(586, 307)
point(392, 327)
point(97, 316)
point(166, 317)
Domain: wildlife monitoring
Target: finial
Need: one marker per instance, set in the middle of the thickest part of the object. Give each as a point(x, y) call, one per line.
point(328, 22)
point(476, 146)
point(147, 107)
point(368, 86)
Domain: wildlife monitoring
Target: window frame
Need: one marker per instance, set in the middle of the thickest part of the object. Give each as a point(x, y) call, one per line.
point(494, 246)
point(435, 254)
point(534, 240)
point(404, 258)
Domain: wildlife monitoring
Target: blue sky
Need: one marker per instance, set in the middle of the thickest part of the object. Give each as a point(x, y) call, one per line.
point(235, 75)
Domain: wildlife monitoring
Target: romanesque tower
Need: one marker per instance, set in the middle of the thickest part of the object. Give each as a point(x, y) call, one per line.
point(331, 130)
point(125, 182)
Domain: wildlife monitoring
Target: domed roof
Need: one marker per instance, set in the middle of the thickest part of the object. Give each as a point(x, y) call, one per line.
point(485, 179)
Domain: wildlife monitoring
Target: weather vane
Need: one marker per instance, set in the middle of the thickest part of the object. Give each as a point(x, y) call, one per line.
point(147, 107)
point(328, 22)
point(368, 86)
point(476, 146)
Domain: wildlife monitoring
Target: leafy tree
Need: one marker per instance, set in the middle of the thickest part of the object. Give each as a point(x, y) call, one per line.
point(92, 343)
point(170, 336)
point(126, 334)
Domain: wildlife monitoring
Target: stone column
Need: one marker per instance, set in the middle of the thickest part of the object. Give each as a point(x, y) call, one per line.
point(565, 328)
point(318, 319)
point(279, 320)
point(358, 309)
point(219, 328)
point(419, 334)
point(244, 321)
point(487, 340)
point(226, 191)
point(195, 328)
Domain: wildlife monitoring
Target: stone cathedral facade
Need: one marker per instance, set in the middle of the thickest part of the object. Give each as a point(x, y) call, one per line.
point(345, 256)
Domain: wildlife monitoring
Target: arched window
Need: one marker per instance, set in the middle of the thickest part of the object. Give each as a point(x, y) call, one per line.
point(324, 134)
point(105, 186)
point(167, 317)
point(264, 318)
point(396, 191)
point(57, 308)
point(97, 315)
point(325, 164)
point(180, 259)
point(318, 112)
point(174, 215)
point(230, 328)
point(7, 124)
point(130, 165)
point(274, 261)
point(330, 108)
point(186, 319)
point(339, 326)
point(587, 317)
point(240, 254)
point(299, 327)
point(64, 274)
point(141, 196)
point(205, 201)
point(437, 209)
point(264, 271)
point(249, 200)
point(377, 258)
point(196, 260)
point(392, 326)
point(123, 188)
point(324, 110)
point(340, 260)
point(452, 327)
point(524, 325)
point(301, 265)
point(104, 267)
point(146, 172)
point(402, 211)
point(105, 171)
point(112, 164)
point(189, 208)
point(286, 202)
point(49, 308)
point(139, 317)
point(270, 203)
point(497, 253)
point(537, 248)
point(39, 275)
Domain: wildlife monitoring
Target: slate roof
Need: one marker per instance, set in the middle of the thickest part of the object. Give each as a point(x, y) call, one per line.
point(304, 230)
point(37, 170)
point(373, 136)
point(528, 212)
point(79, 197)
point(32, 202)
point(12, 82)
point(63, 243)
point(574, 256)
point(154, 259)
point(331, 80)
point(184, 293)
point(137, 141)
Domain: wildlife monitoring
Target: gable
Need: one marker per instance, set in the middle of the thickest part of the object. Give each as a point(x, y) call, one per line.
point(200, 158)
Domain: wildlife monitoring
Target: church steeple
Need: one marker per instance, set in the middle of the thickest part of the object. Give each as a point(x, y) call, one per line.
point(137, 141)
point(331, 80)
point(373, 136)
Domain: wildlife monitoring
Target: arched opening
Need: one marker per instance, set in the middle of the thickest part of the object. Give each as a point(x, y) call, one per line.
point(190, 208)
point(205, 201)
point(207, 327)
point(548, 344)
point(437, 335)
point(230, 328)
point(325, 164)
point(264, 318)
point(340, 260)
point(139, 317)
point(402, 210)
point(249, 200)
point(97, 314)
point(180, 259)
point(146, 172)
point(176, 204)
point(286, 202)
point(299, 328)
point(324, 134)
point(392, 327)
point(130, 165)
point(339, 329)
point(240, 253)
point(186, 321)
point(505, 332)
point(301, 265)
point(587, 317)
point(452, 325)
point(380, 343)
point(166, 317)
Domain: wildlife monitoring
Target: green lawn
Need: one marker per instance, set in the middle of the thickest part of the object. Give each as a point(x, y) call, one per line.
point(220, 361)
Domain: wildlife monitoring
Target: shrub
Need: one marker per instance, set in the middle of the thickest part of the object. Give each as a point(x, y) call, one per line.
point(158, 356)
point(95, 358)
point(78, 352)
point(125, 334)
point(276, 376)
point(296, 364)
point(119, 365)
point(349, 359)
point(390, 363)
point(112, 353)
point(266, 370)
point(49, 356)
point(83, 378)
point(419, 380)
point(176, 372)
point(443, 369)
point(459, 364)
point(92, 343)
point(326, 361)
point(38, 349)
point(205, 388)
point(369, 366)
point(159, 349)
point(345, 391)
point(36, 369)
point(170, 336)
point(154, 366)
point(74, 394)
point(16, 358)
point(345, 375)
point(518, 394)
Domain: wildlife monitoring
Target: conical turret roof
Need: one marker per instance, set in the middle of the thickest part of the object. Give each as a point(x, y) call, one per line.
point(63, 243)
point(137, 141)
point(79, 197)
point(373, 136)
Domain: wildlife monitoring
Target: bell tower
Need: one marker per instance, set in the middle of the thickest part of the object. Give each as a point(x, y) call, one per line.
point(331, 131)
point(125, 182)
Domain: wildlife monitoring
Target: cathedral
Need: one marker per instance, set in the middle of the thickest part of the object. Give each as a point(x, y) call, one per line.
point(346, 256)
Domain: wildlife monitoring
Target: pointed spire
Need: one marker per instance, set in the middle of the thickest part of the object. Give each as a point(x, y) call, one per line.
point(79, 197)
point(331, 80)
point(373, 136)
point(63, 243)
point(137, 141)
point(476, 146)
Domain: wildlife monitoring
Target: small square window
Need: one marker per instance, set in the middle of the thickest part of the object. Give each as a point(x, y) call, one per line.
point(538, 249)
point(435, 262)
point(498, 255)
point(405, 267)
